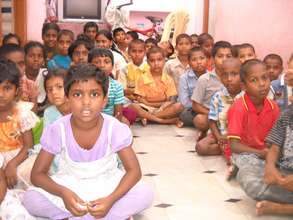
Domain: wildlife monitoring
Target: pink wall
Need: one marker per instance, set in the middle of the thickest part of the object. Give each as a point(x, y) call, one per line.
point(263, 23)
point(36, 15)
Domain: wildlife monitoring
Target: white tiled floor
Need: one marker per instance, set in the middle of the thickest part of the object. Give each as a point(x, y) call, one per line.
point(181, 181)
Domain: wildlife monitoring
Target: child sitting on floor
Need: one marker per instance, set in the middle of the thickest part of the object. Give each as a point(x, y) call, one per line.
point(154, 91)
point(250, 119)
point(16, 123)
point(246, 52)
point(79, 51)
point(176, 67)
point(216, 142)
point(130, 74)
point(35, 56)
point(11, 39)
point(103, 59)
point(28, 90)
point(49, 35)
point(91, 29)
point(281, 91)
point(187, 83)
point(104, 39)
point(206, 42)
point(88, 182)
point(61, 59)
point(271, 182)
point(207, 85)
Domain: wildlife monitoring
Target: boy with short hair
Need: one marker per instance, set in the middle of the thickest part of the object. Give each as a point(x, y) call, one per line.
point(274, 65)
point(250, 119)
point(61, 59)
point(130, 74)
point(278, 89)
point(271, 182)
point(176, 67)
point(246, 52)
point(149, 43)
point(207, 85)
point(91, 29)
point(216, 142)
point(154, 91)
point(187, 83)
point(119, 36)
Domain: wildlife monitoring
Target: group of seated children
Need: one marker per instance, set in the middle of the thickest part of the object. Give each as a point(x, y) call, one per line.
point(67, 106)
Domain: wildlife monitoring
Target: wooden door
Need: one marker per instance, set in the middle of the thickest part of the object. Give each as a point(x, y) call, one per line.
point(20, 19)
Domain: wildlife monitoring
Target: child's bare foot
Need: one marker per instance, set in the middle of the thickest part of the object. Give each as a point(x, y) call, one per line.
point(179, 123)
point(144, 122)
point(202, 135)
point(268, 207)
point(231, 172)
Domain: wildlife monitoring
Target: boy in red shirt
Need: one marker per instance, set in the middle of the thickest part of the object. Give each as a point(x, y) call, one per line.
point(250, 119)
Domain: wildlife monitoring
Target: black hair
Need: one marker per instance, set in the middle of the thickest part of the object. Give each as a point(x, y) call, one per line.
point(273, 56)
point(195, 49)
point(10, 35)
point(235, 50)
point(84, 37)
point(246, 67)
point(155, 50)
point(83, 72)
point(246, 45)
point(116, 30)
point(136, 41)
point(202, 38)
point(100, 52)
point(76, 44)
point(9, 72)
point(194, 35)
point(32, 44)
point(67, 33)
point(10, 48)
point(133, 34)
point(55, 72)
point(50, 26)
point(109, 36)
point(89, 25)
point(219, 45)
point(151, 40)
point(183, 36)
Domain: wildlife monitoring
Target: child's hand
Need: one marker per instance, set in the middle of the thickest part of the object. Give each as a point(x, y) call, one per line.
point(272, 175)
point(33, 90)
point(100, 207)
point(263, 153)
point(222, 139)
point(11, 174)
point(287, 183)
point(142, 100)
point(73, 203)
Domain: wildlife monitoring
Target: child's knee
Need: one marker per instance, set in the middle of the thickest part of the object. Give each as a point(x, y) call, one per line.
point(178, 107)
point(201, 122)
point(251, 184)
point(145, 194)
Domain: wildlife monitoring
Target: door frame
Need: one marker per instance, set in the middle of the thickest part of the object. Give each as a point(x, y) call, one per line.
point(20, 19)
